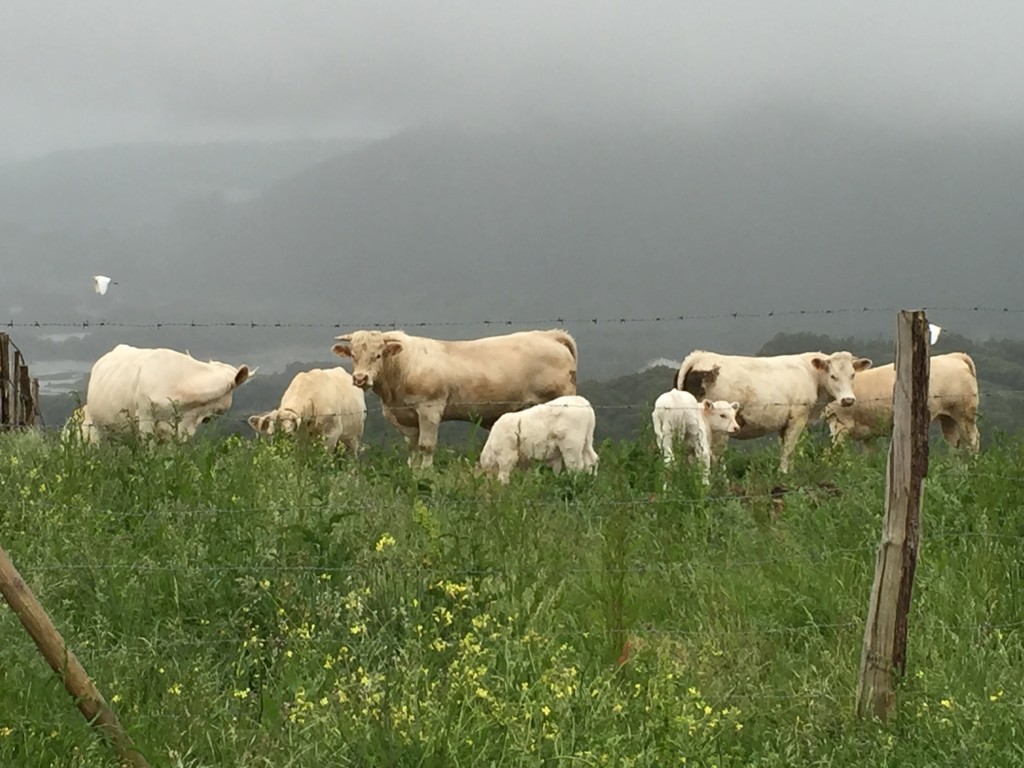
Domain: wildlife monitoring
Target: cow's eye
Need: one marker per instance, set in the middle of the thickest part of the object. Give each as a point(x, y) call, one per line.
point(834, 377)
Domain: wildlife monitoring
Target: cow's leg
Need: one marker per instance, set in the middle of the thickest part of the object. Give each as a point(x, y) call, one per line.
point(429, 420)
point(411, 434)
point(950, 430)
point(970, 435)
point(788, 437)
point(702, 449)
point(718, 443)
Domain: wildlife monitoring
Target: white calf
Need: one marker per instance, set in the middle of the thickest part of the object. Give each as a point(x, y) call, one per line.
point(678, 415)
point(560, 432)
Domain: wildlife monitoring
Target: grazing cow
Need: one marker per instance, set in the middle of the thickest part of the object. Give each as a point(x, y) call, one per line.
point(325, 403)
point(778, 394)
point(952, 400)
point(422, 382)
point(678, 416)
point(158, 391)
point(560, 432)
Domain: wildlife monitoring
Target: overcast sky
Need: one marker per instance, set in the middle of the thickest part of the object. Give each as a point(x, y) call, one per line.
point(78, 73)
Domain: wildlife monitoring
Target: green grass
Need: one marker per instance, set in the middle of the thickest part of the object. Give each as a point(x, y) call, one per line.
point(247, 603)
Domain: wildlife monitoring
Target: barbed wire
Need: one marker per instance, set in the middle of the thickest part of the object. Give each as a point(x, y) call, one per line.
point(553, 320)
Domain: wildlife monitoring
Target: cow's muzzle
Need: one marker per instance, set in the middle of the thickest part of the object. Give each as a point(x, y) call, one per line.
point(361, 380)
point(846, 402)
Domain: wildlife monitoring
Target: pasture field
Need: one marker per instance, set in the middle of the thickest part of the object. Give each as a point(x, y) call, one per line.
point(246, 603)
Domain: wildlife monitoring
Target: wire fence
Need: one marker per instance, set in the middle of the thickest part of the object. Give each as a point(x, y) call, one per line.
point(667, 317)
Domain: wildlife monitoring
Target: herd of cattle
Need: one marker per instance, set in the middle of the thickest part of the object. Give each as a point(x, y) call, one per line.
point(522, 387)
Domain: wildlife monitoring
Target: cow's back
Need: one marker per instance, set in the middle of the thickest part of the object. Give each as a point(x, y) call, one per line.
point(113, 383)
point(484, 378)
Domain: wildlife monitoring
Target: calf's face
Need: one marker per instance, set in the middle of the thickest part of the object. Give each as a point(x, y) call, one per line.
point(368, 350)
point(835, 375)
point(721, 416)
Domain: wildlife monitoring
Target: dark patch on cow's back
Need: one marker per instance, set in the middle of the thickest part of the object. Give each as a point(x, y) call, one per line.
point(697, 382)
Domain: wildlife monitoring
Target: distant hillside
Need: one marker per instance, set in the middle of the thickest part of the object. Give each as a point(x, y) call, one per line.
point(129, 187)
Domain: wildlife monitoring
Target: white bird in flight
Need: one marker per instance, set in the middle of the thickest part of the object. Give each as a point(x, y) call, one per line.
point(100, 283)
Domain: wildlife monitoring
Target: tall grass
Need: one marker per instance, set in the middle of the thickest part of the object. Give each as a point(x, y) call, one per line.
point(247, 603)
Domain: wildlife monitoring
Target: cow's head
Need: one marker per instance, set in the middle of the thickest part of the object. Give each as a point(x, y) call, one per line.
point(721, 415)
point(279, 420)
point(835, 375)
point(207, 395)
point(368, 350)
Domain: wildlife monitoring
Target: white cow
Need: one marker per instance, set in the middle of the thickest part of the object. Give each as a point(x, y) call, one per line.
point(952, 399)
point(422, 382)
point(778, 394)
point(560, 432)
point(325, 403)
point(158, 391)
point(678, 416)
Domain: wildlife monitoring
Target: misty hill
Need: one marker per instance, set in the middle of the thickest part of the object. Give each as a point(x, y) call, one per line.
point(127, 187)
point(774, 212)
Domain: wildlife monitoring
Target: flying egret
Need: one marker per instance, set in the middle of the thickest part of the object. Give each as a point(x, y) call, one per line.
point(100, 283)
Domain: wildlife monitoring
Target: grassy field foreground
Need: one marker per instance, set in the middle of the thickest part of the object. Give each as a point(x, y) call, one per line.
point(261, 604)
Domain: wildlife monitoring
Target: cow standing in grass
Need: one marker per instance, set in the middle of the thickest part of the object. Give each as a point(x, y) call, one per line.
point(778, 394)
point(679, 417)
point(559, 432)
point(422, 382)
point(158, 391)
point(952, 400)
point(325, 403)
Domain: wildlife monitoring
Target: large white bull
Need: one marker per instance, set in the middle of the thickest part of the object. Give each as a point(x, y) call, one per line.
point(422, 382)
point(777, 394)
point(322, 401)
point(158, 391)
point(559, 432)
point(952, 400)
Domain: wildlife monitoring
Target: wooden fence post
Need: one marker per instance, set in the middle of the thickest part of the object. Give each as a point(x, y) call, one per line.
point(62, 661)
point(5, 375)
point(27, 405)
point(884, 655)
point(15, 398)
point(37, 412)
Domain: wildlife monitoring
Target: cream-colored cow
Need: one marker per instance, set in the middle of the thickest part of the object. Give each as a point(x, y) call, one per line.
point(777, 394)
point(158, 391)
point(679, 417)
point(559, 432)
point(422, 382)
point(323, 401)
point(952, 400)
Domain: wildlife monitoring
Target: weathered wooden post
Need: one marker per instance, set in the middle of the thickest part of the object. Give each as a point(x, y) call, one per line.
point(37, 411)
point(884, 654)
point(62, 661)
point(5, 376)
point(15, 396)
point(27, 405)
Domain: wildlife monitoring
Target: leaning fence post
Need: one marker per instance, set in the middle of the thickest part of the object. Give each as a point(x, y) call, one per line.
point(14, 400)
point(25, 388)
point(62, 661)
point(884, 654)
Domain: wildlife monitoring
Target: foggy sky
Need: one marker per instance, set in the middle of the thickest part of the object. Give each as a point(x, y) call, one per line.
point(76, 74)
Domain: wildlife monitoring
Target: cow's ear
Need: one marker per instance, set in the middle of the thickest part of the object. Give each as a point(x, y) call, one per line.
point(819, 363)
point(243, 374)
point(862, 364)
point(735, 406)
point(341, 350)
point(254, 421)
point(392, 348)
point(708, 406)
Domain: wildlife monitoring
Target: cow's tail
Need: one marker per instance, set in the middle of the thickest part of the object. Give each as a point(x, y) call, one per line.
point(679, 382)
point(567, 341)
point(968, 362)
